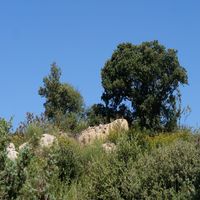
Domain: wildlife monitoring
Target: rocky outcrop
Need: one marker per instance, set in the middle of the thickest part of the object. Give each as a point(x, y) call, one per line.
point(86, 137)
point(102, 131)
point(12, 154)
point(47, 140)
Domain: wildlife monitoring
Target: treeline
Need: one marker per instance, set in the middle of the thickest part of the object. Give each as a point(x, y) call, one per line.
point(140, 82)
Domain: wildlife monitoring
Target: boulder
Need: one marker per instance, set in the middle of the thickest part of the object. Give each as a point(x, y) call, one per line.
point(109, 147)
point(12, 154)
point(119, 124)
point(102, 131)
point(47, 140)
point(23, 145)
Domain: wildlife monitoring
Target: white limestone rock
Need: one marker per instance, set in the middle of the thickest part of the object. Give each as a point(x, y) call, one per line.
point(102, 131)
point(109, 147)
point(47, 140)
point(23, 146)
point(12, 154)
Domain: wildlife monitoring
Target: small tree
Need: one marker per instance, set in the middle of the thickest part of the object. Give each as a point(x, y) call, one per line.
point(143, 80)
point(61, 98)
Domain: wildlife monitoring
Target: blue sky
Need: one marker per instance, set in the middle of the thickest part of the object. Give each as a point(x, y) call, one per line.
point(80, 36)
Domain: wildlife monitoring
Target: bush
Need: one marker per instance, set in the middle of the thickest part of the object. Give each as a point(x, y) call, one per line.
point(33, 134)
point(130, 146)
point(4, 139)
point(169, 172)
point(68, 160)
point(92, 153)
point(72, 123)
point(115, 134)
point(104, 174)
point(102, 180)
point(4, 131)
point(167, 138)
point(43, 178)
point(13, 176)
point(38, 182)
point(40, 120)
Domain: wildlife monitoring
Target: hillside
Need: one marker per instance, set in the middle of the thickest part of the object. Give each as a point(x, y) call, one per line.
point(163, 166)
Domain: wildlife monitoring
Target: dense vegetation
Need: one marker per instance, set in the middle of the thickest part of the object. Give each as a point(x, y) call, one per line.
point(166, 166)
point(155, 159)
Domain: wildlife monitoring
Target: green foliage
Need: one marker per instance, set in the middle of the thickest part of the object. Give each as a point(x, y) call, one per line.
point(165, 166)
point(169, 172)
point(72, 123)
point(97, 114)
point(68, 161)
point(92, 153)
point(37, 185)
point(114, 136)
point(43, 177)
point(166, 139)
point(4, 131)
point(31, 131)
point(104, 174)
point(17, 139)
point(4, 139)
point(33, 134)
point(61, 98)
point(102, 181)
point(5, 126)
point(13, 176)
point(130, 146)
point(141, 83)
point(116, 132)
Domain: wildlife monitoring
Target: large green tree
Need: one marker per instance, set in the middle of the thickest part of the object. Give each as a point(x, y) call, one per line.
point(144, 80)
point(61, 98)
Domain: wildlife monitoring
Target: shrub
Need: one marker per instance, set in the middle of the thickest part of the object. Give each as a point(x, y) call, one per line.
point(92, 153)
point(130, 146)
point(39, 175)
point(167, 138)
point(102, 181)
point(40, 120)
point(169, 172)
point(4, 139)
point(13, 175)
point(104, 173)
point(33, 134)
point(115, 134)
point(4, 131)
point(72, 123)
point(67, 159)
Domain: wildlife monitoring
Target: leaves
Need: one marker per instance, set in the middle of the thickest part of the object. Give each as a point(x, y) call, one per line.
point(61, 98)
point(147, 76)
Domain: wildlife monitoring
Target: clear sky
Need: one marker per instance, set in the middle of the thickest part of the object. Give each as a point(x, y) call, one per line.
point(80, 36)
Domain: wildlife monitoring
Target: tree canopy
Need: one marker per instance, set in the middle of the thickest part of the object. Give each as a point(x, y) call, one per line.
point(144, 80)
point(61, 98)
